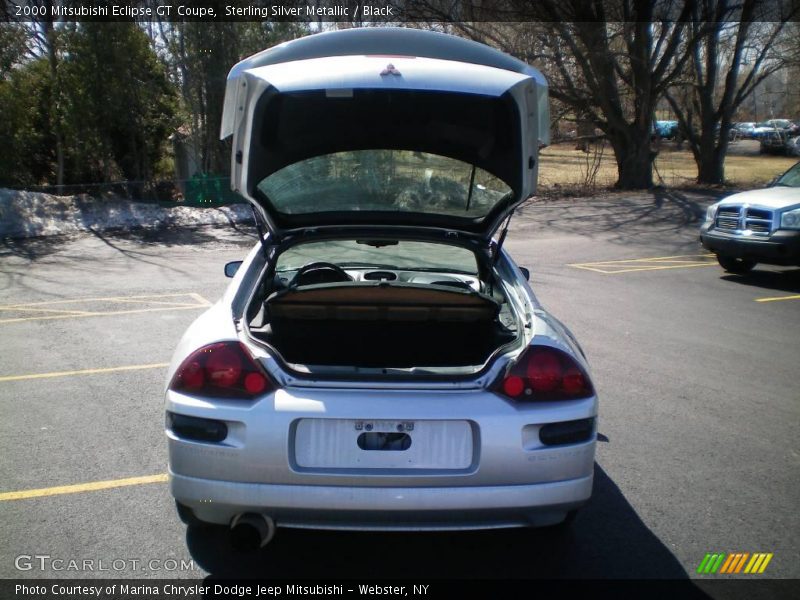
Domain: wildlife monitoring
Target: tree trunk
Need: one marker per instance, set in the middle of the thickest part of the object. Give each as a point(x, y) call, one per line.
point(55, 96)
point(634, 163)
point(710, 155)
point(711, 166)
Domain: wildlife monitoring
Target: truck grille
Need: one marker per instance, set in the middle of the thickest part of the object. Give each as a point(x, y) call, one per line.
point(757, 220)
point(728, 218)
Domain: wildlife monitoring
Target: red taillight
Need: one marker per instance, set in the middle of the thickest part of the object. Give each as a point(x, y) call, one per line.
point(573, 381)
point(221, 370)
point(545, 373)
point(513, 386)
point(224, 366)
point(192, 375)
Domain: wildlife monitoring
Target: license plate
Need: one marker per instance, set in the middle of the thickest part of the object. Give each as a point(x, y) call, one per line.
point(382, 444)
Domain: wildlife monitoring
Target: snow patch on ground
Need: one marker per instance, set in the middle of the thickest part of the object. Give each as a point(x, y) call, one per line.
point(29, 214)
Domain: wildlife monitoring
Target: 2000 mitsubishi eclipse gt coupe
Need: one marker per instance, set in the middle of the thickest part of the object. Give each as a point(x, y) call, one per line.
point(378, 360)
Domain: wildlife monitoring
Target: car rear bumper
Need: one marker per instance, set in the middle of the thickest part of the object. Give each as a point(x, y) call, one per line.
point(780, 248)
point(384, 508)
point(488, 466)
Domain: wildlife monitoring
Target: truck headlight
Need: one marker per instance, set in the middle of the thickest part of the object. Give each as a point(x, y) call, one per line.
point(791, 219)
point(711, 214)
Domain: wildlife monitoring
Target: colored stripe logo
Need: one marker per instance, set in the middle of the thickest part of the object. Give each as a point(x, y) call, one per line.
point(735, 563)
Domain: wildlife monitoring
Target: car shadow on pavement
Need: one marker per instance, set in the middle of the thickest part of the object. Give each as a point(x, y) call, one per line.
point(606, 540)
point(781, 281)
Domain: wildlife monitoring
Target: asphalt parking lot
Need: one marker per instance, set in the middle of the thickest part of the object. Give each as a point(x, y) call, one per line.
point(696, 370)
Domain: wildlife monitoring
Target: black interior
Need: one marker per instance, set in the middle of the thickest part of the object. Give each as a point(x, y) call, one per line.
point(385, 343)
point(380, 324)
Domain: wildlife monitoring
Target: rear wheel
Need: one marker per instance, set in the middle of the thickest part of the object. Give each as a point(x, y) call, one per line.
point(739, 266)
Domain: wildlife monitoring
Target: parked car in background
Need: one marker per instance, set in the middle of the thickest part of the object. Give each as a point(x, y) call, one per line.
point(759, 226)
point(763, 127)
point(773, 141)
point(745, 130)
point(666, 129)
point(781, 124)
point(773, 135)
point(379, 361)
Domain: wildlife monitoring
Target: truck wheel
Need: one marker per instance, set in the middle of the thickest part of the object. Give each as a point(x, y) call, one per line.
point(739, 266)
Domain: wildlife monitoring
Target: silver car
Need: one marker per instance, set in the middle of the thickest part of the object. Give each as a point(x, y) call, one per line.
point(379, 361)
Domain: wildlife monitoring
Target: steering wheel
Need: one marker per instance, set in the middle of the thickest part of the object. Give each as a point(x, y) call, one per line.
point(320, 272)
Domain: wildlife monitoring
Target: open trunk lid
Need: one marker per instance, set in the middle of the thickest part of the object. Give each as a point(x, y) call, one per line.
point(386, 127)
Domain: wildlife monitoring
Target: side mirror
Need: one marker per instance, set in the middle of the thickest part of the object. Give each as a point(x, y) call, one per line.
point(526, 272)
point(232, 267)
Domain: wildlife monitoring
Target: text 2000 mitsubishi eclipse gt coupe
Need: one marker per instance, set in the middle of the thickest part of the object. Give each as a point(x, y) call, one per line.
point(379, 361)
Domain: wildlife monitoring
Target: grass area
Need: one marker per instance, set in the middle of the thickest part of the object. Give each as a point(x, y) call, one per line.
point(561, 164)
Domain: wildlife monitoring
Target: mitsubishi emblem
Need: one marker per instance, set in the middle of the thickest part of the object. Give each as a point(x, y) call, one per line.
point(390, 70)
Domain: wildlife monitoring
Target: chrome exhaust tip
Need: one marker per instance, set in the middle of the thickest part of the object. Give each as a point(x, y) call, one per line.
point(251, 531)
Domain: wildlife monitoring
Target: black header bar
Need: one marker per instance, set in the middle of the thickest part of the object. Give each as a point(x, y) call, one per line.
point(378, 11)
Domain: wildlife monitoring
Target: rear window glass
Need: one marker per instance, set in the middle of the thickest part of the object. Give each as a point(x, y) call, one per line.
point(403, 256)
point(383, 180)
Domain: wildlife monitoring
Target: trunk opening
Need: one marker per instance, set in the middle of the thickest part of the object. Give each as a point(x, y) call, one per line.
point(381, 325)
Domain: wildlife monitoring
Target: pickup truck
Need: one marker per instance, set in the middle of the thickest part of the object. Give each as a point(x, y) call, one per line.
point(758, 226)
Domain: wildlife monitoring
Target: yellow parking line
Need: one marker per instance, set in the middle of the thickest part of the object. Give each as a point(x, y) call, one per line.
point(99, 314)
point(677, 260)
point(44, 307)
point(660, 268)
point(81, 372)
point(778, 298)
point(82, 487)
point(46, 310)
point(101, 299)
point(627, 260)
point(200, 299)
point(146, 301)
point(596, 270)
point(655, 263)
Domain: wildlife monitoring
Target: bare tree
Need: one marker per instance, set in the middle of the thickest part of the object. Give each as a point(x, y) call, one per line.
point(730, 36)
point(42, 40)
point(610, 60)
point(613, 61)
point(50, 37)
point(198, 56)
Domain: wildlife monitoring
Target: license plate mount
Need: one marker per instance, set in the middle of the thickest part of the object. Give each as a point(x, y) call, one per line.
point(383, 444)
